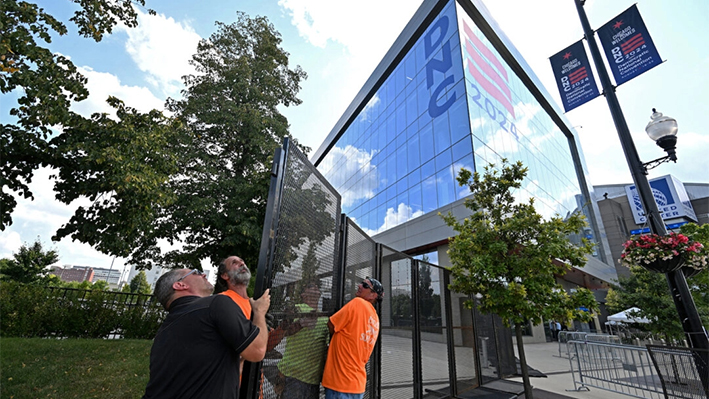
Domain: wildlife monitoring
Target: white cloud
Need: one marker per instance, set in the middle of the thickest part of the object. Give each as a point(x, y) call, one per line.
point(394, 217)
point(40, 218)
point(525, 116)
point(462, 191)
point(101, 85)
point(692, 163)
point(10, 242)
point(351, 164)
point(368, 109)
point(162, 47)
point(320, 21)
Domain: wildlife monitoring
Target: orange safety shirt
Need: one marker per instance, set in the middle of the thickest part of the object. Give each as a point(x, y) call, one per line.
point(243, 303)
point(245, 306)
point(356, 331)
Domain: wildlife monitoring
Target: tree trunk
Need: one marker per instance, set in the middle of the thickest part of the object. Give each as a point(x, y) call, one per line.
point(523, 363)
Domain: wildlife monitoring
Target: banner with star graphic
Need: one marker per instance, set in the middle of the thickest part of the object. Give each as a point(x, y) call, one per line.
point(628, 46)
point(574, 77)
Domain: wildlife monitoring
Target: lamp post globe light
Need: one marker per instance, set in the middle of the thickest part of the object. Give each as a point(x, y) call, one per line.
point(663, 130)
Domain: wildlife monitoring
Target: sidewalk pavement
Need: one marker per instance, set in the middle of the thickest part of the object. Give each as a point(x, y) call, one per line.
point(559, 383)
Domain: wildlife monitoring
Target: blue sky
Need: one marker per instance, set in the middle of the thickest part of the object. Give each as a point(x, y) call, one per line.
point(340, 43)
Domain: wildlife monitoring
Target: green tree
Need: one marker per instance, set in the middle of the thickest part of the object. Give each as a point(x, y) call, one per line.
point(231, 109)
point(650, 292)
point(425, 294)
point(101, 285)
point(3, 264)
point(124, 167)
point(507, 253)
point(53, 280)
point(29, 265)
point(401, 308)
point(46, 82)
point(139, 284)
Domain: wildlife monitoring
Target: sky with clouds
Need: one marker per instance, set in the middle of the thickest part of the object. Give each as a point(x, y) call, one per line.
point(339, 44)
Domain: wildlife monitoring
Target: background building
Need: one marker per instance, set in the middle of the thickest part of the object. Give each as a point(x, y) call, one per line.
point(620, 219)
point(454, 93)
point(70, 274)
point(153, 275)
point(111, 276)
point(88, 273)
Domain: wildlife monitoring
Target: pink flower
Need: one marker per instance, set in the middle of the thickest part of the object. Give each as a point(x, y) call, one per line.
point(647, 248)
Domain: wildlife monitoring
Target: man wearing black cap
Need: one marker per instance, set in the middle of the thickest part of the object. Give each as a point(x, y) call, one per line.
point(354, 330)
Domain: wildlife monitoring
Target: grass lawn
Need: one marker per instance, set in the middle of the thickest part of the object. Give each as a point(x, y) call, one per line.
point(73, 368)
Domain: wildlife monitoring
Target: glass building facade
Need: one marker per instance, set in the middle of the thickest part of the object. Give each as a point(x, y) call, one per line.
point(447, 101)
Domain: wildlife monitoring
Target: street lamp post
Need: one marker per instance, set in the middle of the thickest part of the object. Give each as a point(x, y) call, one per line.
point(663, 130)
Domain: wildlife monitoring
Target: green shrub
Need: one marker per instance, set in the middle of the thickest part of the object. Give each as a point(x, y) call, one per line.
point(34, 311)
point(141, 323)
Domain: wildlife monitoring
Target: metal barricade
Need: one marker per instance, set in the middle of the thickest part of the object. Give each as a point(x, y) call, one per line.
point(678, 371)
point(566, 336)
point(623, 369)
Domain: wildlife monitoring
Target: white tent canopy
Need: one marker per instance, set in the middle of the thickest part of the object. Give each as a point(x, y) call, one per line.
point(624, 317)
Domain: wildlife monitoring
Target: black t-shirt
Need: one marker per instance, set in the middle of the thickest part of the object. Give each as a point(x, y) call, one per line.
point(196, 350)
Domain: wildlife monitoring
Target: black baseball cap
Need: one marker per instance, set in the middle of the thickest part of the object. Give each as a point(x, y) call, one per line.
point(376, 286)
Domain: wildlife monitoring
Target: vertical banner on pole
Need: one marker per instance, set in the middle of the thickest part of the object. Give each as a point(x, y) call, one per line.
point(629, 48)
point(573, 76)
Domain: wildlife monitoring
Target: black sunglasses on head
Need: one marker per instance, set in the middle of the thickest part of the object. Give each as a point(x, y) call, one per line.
point(195, 271)
point(366, 286)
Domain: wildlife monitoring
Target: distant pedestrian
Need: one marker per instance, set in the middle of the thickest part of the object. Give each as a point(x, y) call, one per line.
point(558, 329)
point(554, 331)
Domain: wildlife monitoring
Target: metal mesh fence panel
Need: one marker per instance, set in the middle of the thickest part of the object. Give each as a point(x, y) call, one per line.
point(359, 252)
point(396, 326)
point(301, 277)
point(464, 344)
point(506, 362)
point(360, 260)
point(433, 328)
point(497, 358)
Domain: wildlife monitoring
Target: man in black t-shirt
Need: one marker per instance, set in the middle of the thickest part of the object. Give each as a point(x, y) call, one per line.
point(196, 350)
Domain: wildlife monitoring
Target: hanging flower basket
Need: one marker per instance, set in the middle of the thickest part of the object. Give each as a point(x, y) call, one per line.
point(690, 271)
point(664, 265)
point(664, 254)
point(695, 262)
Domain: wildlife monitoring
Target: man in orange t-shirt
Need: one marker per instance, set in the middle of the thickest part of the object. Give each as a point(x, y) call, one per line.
point(233, 277)
point(354, 330)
